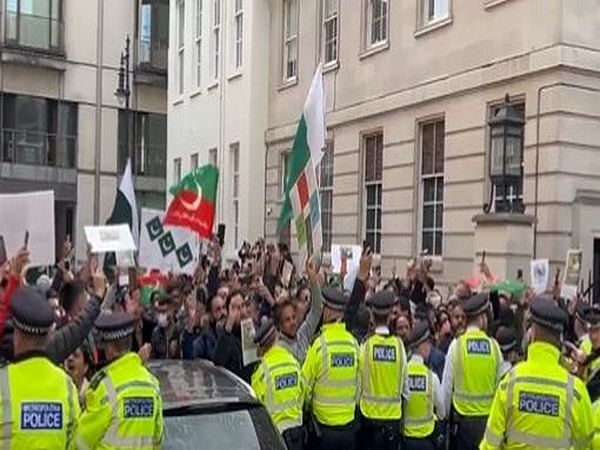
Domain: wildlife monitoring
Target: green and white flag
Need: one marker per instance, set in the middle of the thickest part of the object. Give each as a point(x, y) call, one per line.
point(125, 209)
point(302, 203)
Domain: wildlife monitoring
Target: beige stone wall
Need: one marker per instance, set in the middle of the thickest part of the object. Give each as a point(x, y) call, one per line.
point(456, 72)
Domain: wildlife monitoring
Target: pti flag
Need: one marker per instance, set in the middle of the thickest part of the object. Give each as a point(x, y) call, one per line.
point(125, 209)
point(164, 248)
point(302, 202)
point(193, 204)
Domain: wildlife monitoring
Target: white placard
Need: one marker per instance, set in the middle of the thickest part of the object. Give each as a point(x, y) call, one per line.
point(352, 253)
point(249, 348)
point(540, 274)
point(32, 212)
point(571, 273)
point(110, 238)
point(165, 248)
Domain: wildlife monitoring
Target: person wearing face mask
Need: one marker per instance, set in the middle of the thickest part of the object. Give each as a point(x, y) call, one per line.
point(468, 395)
point(163, 331)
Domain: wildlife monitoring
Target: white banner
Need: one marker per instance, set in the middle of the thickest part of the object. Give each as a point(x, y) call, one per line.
point(572, 273)
point(249, 348)
point(168, 249)
point(540, 275)
point(110, 238)
point(31, 212)
point(352, 254)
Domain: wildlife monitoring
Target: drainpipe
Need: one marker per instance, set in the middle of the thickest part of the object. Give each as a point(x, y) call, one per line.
point(537, 146)
point(98, 136)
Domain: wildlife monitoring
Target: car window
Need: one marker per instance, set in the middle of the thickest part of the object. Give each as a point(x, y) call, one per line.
point(241, 429)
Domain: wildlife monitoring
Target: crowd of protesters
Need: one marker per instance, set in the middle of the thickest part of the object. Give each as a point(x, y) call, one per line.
point(199, 316)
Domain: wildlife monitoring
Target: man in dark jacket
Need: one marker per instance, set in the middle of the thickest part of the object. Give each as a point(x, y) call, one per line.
point(206, 344)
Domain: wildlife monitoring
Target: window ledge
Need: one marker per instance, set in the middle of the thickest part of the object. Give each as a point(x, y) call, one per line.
point(178, 100)
point(433, 26)
point(235, 75)
point(489, 4)
point(196, 92)
point(331, 66)
point(213, 85)
point(374, 49)
point(288, 83)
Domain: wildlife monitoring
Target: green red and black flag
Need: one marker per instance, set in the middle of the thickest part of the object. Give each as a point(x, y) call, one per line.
point(193, 204)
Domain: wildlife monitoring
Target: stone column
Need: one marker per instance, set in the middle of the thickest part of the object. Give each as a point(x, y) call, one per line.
point(507, 240)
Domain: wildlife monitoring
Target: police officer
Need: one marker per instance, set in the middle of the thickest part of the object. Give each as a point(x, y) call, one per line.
point(507, 339)
point(539, 404)
point(581, 327)
point(39, 400)
point(331, 375)
point(425, 403)
point(278, 384)
point(382, 379)
point(471, 374)
point(123, 407)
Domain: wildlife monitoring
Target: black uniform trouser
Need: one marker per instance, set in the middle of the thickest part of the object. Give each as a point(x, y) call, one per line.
point(470, 432)
point(418, 444)
point(380, 434)
point(336, 438)
point(294, 438)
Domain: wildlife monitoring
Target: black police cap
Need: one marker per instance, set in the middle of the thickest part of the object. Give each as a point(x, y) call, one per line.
point(115, 326)
point(545, 313)
point(582, 311)
point(593, 316)
point(334, 299)
point(31, 312)
point(420, 334)
point(265, 333)
point(507, 338)
point(476, 304)
point(382, 302)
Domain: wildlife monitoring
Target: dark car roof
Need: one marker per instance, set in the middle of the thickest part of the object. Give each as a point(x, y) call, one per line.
point(198, 382)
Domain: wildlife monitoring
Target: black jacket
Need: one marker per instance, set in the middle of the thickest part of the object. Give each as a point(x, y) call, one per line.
point(228, 354)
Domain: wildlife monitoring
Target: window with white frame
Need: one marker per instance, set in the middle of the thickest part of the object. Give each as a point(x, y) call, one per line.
point(235, 192)
point(194, 161)
point(377, 22)
point(213, 157)
point(238, 33)
point(326, 191)
point(432, 186)
point(373, 185)
point(330, 31)
point(432, 11)
point(290, 39)
point(198, 42)
point(180, 44)
point(177, 170)
point(215, 39)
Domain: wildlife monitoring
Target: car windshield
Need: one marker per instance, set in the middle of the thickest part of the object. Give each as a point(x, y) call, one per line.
point(248, 429)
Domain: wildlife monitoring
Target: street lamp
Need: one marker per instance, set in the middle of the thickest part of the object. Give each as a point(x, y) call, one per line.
point(506, 159)
point(123, 93)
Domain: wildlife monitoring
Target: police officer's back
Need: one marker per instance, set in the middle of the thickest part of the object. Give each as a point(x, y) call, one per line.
point(425, 404)
point(331, 375)
point(539, 404)
point(382, 379)
point(123, 408)
point(39, 400)
point(278, 384)
point(471, 374)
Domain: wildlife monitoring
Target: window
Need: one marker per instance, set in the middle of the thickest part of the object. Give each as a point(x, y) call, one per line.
point(216, 39)
point(373, 146)
point(326, 191)
point(290, 39)
point(514, 189)
point(235, 192)
point(154, 34)
point(198, 43)
point(35, 24)
point(238, 20)
point(213, 157)
point(149, 134)
point(377, 22)
point(194, 161)
point(330, 31)
point(177, 170)
point(180, 44)
point(432, 180)
point(38, 131)
point(433, 10)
